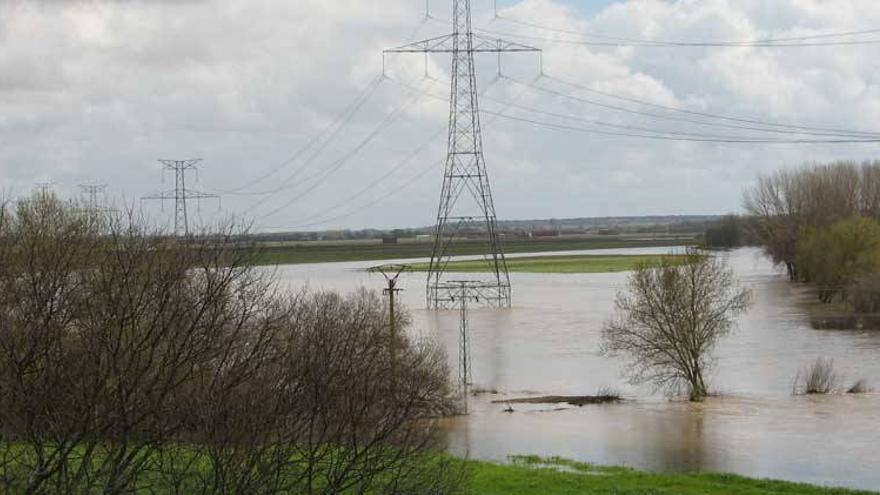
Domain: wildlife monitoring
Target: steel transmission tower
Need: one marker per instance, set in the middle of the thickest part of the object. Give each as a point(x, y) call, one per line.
point(94, 194)
point(466, 206)
point(180, 194)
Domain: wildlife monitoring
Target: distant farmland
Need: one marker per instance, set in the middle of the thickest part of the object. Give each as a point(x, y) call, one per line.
point(555, 264)
point(366, 250)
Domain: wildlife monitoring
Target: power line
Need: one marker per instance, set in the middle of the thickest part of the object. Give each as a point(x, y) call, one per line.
point(394, 169)
point(675, 44)
point(650, 42)
point(793, 127)
point(366, 206)
point(369, 187)
point(653, 133)
point(389, 119)
point(637, 128)
point(659, 136)
point(325, 137)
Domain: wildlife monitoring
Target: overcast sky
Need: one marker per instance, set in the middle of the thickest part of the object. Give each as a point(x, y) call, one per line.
point(100, 90)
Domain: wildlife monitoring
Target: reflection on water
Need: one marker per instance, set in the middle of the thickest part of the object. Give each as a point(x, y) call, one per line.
point(548, 344)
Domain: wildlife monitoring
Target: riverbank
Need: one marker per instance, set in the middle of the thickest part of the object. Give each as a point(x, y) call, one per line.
point(554, 264)
point(375, 249)
point(532, 475)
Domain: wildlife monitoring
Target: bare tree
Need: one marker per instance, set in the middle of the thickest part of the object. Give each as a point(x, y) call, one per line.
point(103, 324)
point(671, 318)
point(130, 360)
point(329, 420)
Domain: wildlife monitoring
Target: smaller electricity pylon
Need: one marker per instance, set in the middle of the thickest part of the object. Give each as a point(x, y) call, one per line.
point(180, 194)
point(392, 274)
point(462, 292)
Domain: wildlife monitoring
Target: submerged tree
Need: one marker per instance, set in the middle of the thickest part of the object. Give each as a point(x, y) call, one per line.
point(670, 319)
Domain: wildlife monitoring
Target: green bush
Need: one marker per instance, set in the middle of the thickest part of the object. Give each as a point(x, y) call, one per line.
point(835, 257)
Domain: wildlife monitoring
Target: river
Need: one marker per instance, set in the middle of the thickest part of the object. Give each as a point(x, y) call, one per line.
point(548, 343)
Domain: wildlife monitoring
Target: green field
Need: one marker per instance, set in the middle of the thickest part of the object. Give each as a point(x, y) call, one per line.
point(555, 264)
point(533, 475)
point(367, 250)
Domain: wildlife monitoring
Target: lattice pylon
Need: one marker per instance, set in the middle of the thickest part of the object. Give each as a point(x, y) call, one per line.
point(180, 194)
point(466, 206)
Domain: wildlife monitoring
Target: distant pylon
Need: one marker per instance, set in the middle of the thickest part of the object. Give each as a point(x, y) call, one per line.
point(94, 193)
point(466, 205)
point(180, 194)
point(43, 188)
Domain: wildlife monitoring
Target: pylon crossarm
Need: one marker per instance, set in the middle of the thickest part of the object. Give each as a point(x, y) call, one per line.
point(483, 44)
point(390, 272)
point(446, 44)
point(440, 44)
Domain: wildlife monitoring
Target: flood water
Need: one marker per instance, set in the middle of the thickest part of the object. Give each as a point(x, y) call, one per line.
point(547, 344)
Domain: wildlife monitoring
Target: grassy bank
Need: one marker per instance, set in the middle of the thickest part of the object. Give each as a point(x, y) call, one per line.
point(367, 250)
point(554, 264)
point(534, 475)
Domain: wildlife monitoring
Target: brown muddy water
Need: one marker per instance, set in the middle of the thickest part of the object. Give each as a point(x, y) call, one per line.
point(547, 344)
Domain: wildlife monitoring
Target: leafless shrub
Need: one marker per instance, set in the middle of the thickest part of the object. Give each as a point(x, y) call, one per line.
point(671, 318)
point(859, 387)
point(608, 394)
point(816, 379)
point(335, 413)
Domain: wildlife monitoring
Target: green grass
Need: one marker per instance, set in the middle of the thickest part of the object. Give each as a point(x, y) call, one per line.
point(535, 475)
point(555, 264)
point(367, 250)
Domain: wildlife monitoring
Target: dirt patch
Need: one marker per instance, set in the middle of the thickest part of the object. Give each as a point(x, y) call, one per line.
point(575, 400)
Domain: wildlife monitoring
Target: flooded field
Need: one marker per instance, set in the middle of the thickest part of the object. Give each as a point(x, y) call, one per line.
point(548, 344)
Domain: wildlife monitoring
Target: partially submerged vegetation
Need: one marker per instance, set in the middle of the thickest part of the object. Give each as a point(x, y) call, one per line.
point(860, 387)
point(820, 378)
point(823, 224)
point(561, 264)
point(817, 379)
point(671, 317)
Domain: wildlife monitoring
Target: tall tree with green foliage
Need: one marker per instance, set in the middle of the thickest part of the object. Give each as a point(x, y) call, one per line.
point(835, 257)
point(786, 203)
